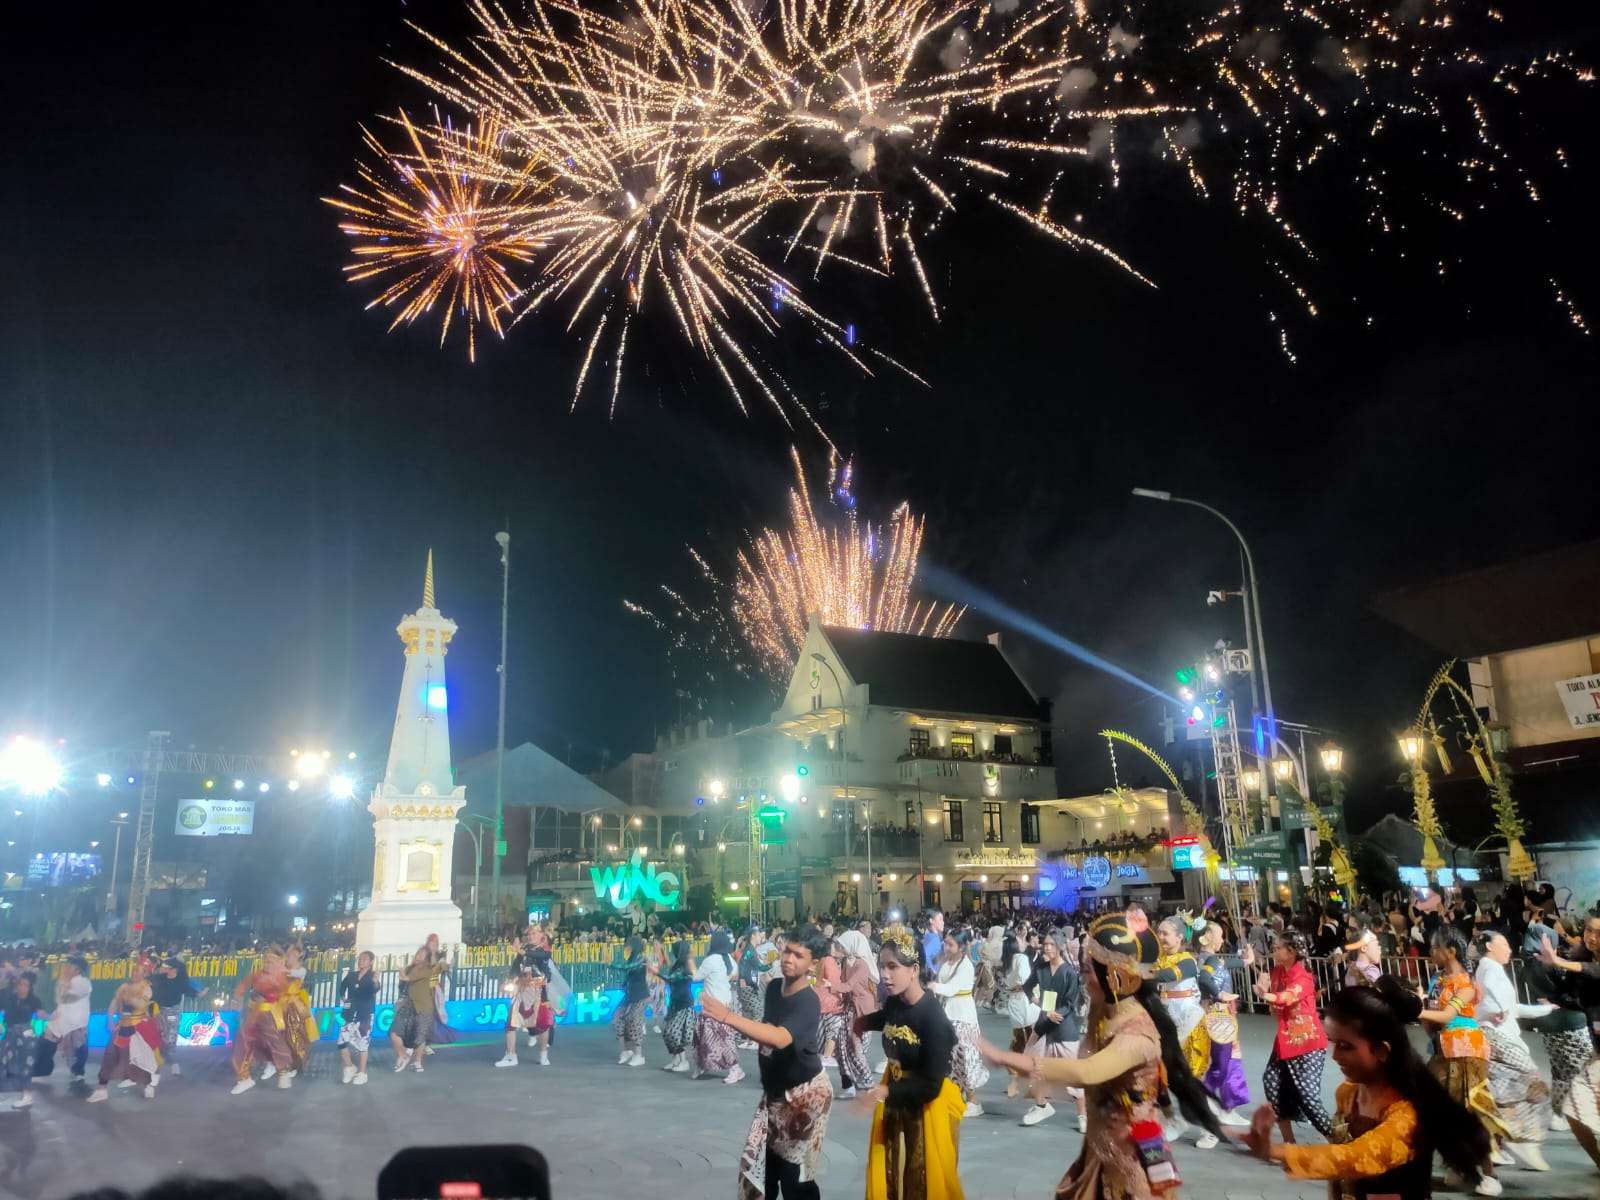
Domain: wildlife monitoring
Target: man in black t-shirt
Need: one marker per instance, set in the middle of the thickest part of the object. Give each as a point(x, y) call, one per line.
point(785, 1139)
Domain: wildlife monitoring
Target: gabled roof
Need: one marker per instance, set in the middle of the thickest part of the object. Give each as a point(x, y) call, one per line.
point(925, 674)
point(533, 777)
point(1531, 601)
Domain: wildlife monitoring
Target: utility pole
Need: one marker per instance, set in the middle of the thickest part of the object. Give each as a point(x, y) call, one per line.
point(504, 540)
point(144, 840)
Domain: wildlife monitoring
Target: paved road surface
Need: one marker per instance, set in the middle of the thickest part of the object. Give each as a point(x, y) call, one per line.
point(608, 1131)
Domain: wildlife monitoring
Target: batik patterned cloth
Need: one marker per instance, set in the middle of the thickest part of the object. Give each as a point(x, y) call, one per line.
point(1582, 1102)
point(627, 1023)
point(1293, 1087)
point(1108, 1166)
point(356, 1036)
point(260, 1037)
point(16, 1057)
point(790, 1129)
point(678, 1032)
point(1467, 1081)
point(169, 1029)
point(967, 1069)
point(1521, 1096)
point(1569, 1051)
point(752, 1002)
point(413, 1028)
point(716, 1046)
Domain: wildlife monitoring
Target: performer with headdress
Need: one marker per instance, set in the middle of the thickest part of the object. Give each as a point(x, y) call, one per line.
point(1391, 1113)
point(134, 1053)
point(1461, 1057)
point(913, 1150)
point(1293, 1079)
point(1174, 975)
point(1130, 1042)
point(1213, 1048)
point(299, 1026)
point(952, 981)
point(261, 1023)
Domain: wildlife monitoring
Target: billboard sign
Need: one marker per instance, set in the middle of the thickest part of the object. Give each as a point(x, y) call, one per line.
point(62, 869)
point(1581, 698)
point(213, 818)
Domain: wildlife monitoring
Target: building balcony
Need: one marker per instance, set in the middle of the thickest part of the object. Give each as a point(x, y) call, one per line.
point(972, 779)
point(888, 841)
point(1037, 758)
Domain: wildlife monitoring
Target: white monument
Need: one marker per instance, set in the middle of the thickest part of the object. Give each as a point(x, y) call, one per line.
point(414, 808)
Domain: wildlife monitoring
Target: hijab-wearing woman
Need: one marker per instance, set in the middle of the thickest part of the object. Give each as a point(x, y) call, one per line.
point(1461, 1056)
point(716, 1047)
point(1519, 1089)
point(859, 997)
point(952, 984)
point(1293, 1079)
point(627, 1023)
point(1129, 1043)
point(678, 1030)
point(912, 1152)
point(1391, 1114)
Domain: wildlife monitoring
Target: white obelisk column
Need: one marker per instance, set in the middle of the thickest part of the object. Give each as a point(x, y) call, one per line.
point(414, 808)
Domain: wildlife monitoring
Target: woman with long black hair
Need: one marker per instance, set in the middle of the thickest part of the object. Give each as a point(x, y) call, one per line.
point(1391, 1114)
point(716, 1046)
point(1130, 1041)
point(1461, 1055)
point(1293, 1079)
point(627, 1023)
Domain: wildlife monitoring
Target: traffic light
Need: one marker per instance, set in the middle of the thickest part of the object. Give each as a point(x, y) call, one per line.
point(877, 881)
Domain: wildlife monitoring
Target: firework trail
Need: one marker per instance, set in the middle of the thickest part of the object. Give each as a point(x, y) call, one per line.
point(651, 166)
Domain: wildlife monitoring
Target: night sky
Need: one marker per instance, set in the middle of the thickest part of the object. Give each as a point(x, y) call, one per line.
point(222, 475)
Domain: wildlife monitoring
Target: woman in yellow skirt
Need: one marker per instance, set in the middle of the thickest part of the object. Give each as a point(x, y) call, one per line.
point(916, 1111)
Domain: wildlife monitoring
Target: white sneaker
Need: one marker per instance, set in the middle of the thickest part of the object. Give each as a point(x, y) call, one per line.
point(671, 1064)
point(427, 1049)
point(680, 1067)
point(239, 1089)
point(416, 1064)
point(402, 1062)
point(637, 1060)
point(99, 1095)
point(124, 1083)
point(1558, 1123)
point(1500, 1158)
point(1206, 1141)
point(268, 1073)
point(696, 1072)
point(361, 1078)
point(544, 1058)
point(1232, 1118)
point(24, 1101)
point(622, 1059)
point(655, 1029)
point(285, 1082)
point(1083, 1122)
point(1488, 1186)
point(974, 1109)
point(1529, 1153)
point(175, 1069)
point(1039, 1112)
point(349, 1074)
point(292, 1074)
point(507, 1060)
point(734, 1076)
point(848, 1093)
point(150, 1091)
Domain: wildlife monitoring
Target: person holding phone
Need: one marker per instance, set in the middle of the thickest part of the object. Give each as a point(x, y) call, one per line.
point(785, 1140)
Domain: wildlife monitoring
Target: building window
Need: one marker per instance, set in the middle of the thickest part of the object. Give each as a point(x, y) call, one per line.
point(1030, 825)
point(911, 814)
point(1002, 743)
point(993, 823)
point(961, 745)
point(919, 743)
point(953, 831)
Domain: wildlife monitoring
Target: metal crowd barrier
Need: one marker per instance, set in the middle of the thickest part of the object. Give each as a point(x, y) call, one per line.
point(1329, 976)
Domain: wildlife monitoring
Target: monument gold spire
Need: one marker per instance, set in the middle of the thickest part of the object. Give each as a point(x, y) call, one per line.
point(427, 583)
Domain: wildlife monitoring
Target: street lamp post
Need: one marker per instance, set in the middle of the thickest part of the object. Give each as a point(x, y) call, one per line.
point(475, 825)
point(116, 852)
point(844, 766)
point(504, 540)
point(1253, 601)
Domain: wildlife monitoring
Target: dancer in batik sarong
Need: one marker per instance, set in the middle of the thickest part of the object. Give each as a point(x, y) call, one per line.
point(1461, 1055)
point(952, 983)
point(716, 1046)
point(261, 1023)
point(627, 1023)
point(785, 1140)
point(914, 1147)
point(1519, 1089)
point(134, 1054)
point(677, 1030)
point(859, 995)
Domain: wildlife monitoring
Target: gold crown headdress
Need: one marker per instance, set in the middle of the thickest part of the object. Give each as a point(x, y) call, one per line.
point(900, 938)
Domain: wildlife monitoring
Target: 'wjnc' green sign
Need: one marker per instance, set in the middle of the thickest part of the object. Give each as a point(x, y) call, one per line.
point(620, 882)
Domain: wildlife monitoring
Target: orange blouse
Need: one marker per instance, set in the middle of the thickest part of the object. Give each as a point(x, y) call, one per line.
point(1391, 1143)
point(1462, 1037)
